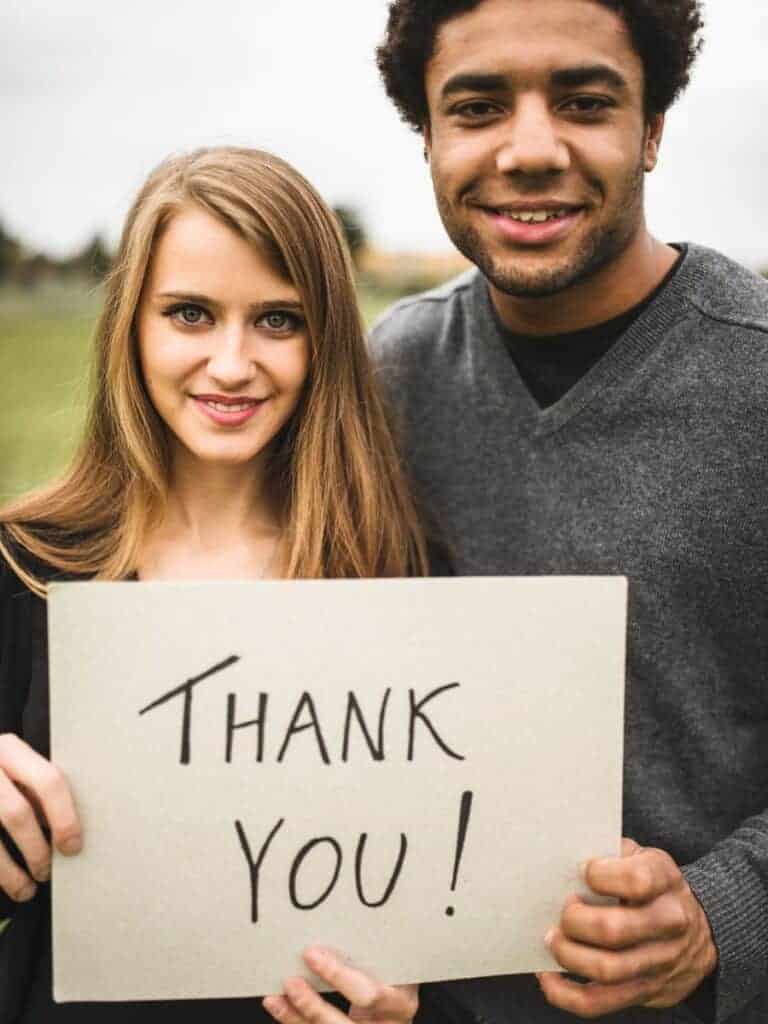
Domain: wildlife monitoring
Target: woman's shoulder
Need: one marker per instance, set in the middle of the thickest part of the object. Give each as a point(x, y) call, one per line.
point(19, 565)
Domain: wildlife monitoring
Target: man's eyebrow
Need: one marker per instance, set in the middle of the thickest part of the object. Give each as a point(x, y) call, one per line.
point(588, 74)
point(473, 82)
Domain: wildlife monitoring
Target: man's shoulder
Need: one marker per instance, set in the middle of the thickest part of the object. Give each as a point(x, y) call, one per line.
point(418, 320)
point(727, 292)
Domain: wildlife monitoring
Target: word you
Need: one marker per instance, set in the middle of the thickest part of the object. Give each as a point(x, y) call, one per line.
point(305, 901)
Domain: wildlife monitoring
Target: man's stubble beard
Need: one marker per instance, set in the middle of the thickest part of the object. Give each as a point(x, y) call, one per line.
point(601, 246)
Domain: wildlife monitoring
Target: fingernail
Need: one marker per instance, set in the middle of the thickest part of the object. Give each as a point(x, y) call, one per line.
point(549, 937)
point(583, 870)
point(43, 874)
point(71, 846)
point(315, 955)
point(26, 892)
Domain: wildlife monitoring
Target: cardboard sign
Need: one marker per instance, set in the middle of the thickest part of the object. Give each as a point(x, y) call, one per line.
point(409, 771)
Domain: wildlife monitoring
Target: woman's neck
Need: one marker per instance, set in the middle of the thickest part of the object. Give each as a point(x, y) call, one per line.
point(220, 522)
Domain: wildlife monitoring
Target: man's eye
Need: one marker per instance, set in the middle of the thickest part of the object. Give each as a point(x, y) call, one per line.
point(587, 104)
point(189, 315)
point(476, 109)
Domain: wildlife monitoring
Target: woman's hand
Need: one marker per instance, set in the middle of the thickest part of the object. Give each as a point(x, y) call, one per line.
point(369, 999)
point(32, 790)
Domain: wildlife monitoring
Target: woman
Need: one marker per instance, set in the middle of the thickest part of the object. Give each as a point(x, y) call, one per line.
point(234, 432)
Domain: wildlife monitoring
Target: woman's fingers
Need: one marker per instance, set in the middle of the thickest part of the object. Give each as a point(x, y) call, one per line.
point(367, 996)
point(300, 1004)
point(20, 822)
point(281, 1009)
point(27, 781)
point(15, 882)
point(369, 999)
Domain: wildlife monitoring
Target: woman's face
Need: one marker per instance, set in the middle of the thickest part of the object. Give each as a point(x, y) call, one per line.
point(223, 343)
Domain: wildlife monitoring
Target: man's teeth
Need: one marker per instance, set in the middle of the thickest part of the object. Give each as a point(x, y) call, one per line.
point(535, 216)
point(221, 407)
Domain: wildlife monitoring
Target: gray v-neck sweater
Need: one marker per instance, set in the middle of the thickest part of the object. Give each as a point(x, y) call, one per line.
point(654, 466)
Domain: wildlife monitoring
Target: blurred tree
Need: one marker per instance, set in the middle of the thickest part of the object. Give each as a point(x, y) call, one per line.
point(94, 260)
point(11, 254)
point(354, 230)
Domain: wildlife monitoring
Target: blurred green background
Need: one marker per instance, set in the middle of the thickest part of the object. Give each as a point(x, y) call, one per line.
point(44, 340)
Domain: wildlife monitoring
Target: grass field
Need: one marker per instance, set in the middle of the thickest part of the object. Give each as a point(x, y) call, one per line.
point(44, 364)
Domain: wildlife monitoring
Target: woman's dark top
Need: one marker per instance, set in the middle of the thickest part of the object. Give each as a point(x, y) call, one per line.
point(25, 945)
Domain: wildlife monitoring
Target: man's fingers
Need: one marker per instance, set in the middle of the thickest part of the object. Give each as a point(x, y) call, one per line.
point(629, 847)
point(21, 764)
point(610, 967)
point(593, 999)
point(363, 992)
point(638, 878)
point(620, 927)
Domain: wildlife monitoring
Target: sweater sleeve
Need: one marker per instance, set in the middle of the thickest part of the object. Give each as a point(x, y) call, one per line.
point(731, 883)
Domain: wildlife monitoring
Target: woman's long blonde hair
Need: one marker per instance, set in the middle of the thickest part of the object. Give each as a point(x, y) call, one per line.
point(347, 506)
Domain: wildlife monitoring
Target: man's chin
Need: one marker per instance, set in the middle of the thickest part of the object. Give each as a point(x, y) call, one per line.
point(540, 282)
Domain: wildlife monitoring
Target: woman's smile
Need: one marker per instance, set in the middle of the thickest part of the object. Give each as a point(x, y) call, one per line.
point(229, 412)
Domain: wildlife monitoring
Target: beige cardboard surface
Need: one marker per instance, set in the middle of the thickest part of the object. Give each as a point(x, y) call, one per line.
point(493, 709)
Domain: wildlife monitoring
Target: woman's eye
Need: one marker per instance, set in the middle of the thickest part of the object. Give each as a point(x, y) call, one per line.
point(189, 316)
point(279, 321)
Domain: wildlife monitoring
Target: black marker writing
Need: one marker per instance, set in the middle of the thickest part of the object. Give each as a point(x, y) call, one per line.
point(260, 722)
point(465, 810)
point(393, 879)
point(296, 867)
point(186, 689)
point(254, 866)
point(417, 713)
point(312, 723)
point(377, 750)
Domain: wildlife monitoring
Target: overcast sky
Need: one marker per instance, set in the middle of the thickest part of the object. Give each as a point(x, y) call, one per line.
point(93, 93)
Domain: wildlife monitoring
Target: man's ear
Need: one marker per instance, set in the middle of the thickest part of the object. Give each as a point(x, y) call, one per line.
point(654, 134)
point(427, 136)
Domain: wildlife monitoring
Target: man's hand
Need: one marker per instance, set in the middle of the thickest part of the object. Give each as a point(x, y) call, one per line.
point(652, 949)
point(369, 999)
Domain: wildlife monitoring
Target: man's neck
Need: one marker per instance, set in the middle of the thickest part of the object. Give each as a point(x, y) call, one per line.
point(613, 290)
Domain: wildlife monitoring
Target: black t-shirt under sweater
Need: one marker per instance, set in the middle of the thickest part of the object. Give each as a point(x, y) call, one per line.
point(552, 364)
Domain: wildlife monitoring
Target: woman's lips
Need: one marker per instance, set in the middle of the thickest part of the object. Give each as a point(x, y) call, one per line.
point(229, 414)
point(532, 233)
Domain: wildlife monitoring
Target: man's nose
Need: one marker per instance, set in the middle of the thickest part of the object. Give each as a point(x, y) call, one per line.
point(532, 144)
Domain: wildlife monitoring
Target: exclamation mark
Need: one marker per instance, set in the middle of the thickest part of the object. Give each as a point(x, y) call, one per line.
point(464, 812)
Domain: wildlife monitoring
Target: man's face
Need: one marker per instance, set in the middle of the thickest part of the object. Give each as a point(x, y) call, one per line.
point(538, 140)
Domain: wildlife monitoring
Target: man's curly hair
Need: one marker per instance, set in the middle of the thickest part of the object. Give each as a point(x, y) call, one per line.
point(665, 34)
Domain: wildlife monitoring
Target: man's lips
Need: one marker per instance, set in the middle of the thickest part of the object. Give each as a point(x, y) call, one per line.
point(530, 223)
point(229, 410)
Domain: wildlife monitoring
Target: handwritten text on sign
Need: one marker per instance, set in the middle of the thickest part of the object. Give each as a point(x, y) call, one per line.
point(367, 764)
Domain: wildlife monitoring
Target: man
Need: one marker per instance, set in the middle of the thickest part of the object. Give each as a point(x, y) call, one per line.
point(590, 400)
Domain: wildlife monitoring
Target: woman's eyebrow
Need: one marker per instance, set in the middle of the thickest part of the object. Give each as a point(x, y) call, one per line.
point(261, 306)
